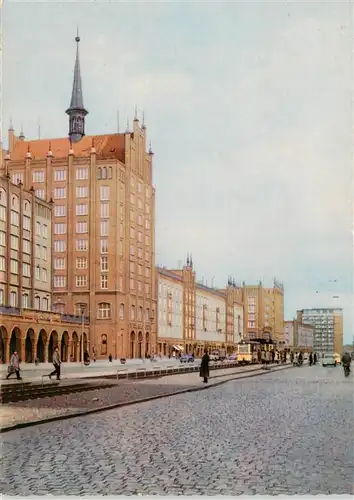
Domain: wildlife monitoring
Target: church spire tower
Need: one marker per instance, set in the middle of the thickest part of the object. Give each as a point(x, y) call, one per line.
point(76, 111)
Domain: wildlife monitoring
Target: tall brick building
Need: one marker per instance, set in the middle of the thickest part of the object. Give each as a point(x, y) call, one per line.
point(103, 225)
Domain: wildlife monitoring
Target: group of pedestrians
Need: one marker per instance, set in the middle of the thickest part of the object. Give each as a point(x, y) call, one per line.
point(14, 366)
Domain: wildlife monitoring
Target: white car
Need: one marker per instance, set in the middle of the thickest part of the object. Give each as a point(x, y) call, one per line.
point(329, 360)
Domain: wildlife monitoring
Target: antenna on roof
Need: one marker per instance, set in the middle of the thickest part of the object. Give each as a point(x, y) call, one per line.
point(39, 128)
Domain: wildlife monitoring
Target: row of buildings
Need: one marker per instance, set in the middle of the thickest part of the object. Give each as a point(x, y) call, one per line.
point(77, 256)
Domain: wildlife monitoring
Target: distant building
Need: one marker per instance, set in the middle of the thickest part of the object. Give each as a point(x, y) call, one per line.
point(263, 312)
point(298, 336)
point(193, 316)
point(328, 328)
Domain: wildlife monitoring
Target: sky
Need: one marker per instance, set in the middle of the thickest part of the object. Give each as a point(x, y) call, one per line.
point(248, 107)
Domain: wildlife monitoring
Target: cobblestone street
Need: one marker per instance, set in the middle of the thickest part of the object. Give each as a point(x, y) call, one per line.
point(285, 432)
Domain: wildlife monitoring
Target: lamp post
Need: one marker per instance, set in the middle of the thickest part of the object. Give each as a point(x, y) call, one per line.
point(82, 335)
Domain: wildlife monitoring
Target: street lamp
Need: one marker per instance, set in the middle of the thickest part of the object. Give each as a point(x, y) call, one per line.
point(82, 335)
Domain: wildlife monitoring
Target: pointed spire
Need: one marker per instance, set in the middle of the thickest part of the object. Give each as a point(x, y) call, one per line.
point(76, 111)
point(150, 150)
point(22, 135)
point(50, 152)
point(187, 259)
point(28, 154)
point(11, 127)
point(191, 261)
point(136, 113)
point(143, 120)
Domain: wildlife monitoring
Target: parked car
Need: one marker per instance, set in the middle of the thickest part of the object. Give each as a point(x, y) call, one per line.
point(232, 357)
point(329, 360)
point(187, 358)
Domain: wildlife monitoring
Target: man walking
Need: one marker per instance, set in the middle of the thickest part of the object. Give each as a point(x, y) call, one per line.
point(14, 366)
point(56, 364)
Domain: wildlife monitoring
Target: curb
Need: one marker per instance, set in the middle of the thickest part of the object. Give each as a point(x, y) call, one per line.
point(136, 401)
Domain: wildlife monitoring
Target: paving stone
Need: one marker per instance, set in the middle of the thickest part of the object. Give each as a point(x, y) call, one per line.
point(267, 435)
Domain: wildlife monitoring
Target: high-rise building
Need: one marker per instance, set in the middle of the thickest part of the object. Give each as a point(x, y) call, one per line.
point(263, 312)
point(103, 225)
point(328, 328)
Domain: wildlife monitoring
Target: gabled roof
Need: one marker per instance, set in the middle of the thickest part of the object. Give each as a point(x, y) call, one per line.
point(107, 146)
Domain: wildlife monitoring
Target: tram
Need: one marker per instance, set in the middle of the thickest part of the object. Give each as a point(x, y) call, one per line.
point(250, 350)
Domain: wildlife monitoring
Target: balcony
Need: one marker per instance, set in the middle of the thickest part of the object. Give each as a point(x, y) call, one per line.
point(13, 311)
point(37, 315)
point(71, 318)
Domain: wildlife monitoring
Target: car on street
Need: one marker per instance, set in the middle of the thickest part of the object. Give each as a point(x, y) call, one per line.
point(187, 358)
point(329, 360)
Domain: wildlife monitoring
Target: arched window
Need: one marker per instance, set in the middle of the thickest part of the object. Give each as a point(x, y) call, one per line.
point(140, 314)
point(37, 302)
point(104, 173)
point(104, 345)
point(13, 299)
point(104, 310)
point(99, 173)
point(3, 200)
point(14, 202)
point(45, 304)
point(147, 314)
point(27, 207)
point(121, 311)
point(109, 172)
point(132, 312)
point(25, 301)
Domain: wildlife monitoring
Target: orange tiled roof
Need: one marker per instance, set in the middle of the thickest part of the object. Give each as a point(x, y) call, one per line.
point(107, 146)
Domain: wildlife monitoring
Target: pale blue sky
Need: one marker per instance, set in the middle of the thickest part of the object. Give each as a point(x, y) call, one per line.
point(248, 106)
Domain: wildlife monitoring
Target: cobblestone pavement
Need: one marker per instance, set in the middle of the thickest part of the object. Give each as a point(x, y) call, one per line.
point(289, 431)
point(33, 410)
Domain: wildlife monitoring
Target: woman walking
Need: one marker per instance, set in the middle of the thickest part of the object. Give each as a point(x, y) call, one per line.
point(204, 367)
point(14, 366)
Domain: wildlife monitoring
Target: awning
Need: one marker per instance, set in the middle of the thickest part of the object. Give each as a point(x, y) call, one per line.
point(177, 347)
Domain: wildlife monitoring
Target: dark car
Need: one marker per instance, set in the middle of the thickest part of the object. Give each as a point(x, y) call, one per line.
point(187, 358)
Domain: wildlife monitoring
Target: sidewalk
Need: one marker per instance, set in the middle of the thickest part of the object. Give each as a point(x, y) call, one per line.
point(35, 411)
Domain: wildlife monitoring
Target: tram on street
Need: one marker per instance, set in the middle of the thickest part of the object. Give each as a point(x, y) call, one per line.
point(249, 350)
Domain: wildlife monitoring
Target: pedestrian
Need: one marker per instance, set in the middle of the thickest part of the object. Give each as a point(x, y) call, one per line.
point(56, 364)
point(110, 358)
point(310, 359)
point(314, 358)
point(14, 366)
point(204, 367)
point(267, 357)
point(263, 357)
point(273, 356)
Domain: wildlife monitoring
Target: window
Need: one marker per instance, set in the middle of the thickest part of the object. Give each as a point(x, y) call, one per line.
point(59, 281)
point(147, 239)
point(81, 227)
point(26, 246)
point(104, 193)
point(25, 301)
point(2, 212)
point(59, 263)
point(45, 304)
point(38, 228)
point(80, 309)
point(104, 246)
point(132, 232)
point(132, 250)
point(44, 253)
point(2, 296)
point(81, 262)
point(147, 288)
point(104, 281)
point(60, 175)
point(140, 236)
point(132, 267)
point(217, 319)
point(17, 178)
point(14, 266)
point(140, 187)
point(140, 220)
point(82, 209)
point(38, 176)
point(132, 215)
point(81, 192)
point(147, 224)
point(2, 238)
point(104, 263)
point(81, 174)
point(147, 315)
point(205, 317)
point(132, 198)
point(104, 210)
point(14, 242)
point(13, 299)
point(140, 204)
point(15, 218)
point(37, 302)
point(140, 314)
point(132, 312)
point(121, 230)
point(26, 269)
point(39, 193)
point(60, 211)
point(147, 208)
point(44, 275)
point(104, 345)
point(59, 246)
point(59, 193)
point(147, 273)
point(81, 245)
point(147, 255)
point(38, 273)
point(59, 228)
point(45, 231)
point(121, 311)
point(104, 228)
point(140, 253)
point(81, 281)
point(26, 223)
point(132, 284)
point(104, 310)
point(147, 192)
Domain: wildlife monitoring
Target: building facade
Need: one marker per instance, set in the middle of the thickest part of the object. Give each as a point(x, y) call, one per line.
point(192, 316)
point(263, 311)
point(299, 336)
point(328, 328)
point(103, 226)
